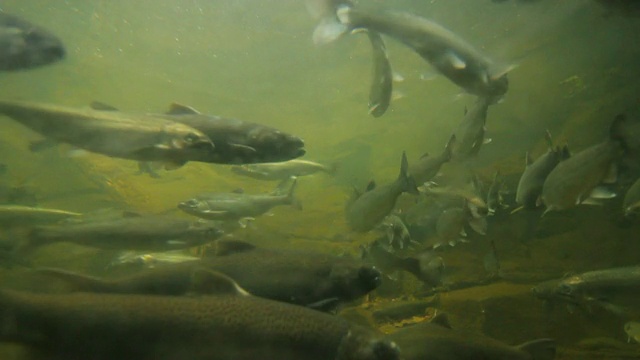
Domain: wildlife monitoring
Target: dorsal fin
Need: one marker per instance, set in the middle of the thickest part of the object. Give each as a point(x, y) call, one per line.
point(441, 319)
point(97, 105)
point(205, 281)
point(179, 109)
point(226, 247)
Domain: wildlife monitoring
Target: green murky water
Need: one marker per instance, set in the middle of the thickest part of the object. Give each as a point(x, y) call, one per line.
point(254, 60)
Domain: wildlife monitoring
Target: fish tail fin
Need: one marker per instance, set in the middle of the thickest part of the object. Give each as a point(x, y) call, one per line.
point(617, 131)
point(541, 349)
point(291, 198)
point(77, 281)
point(448, 149)
point(409, 184)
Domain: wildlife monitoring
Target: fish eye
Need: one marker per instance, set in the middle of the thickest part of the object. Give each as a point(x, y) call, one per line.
point(191, 138)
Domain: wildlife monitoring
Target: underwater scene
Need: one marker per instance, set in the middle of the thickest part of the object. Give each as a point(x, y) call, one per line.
point(320, 179)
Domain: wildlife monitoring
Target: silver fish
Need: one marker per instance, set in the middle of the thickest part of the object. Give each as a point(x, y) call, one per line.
point(447, 52)
point(236, 206)
point(24, 45)
point(283, 170)
point(128, 136)
point(227, 324)
point(370, 208)
point(572, 181)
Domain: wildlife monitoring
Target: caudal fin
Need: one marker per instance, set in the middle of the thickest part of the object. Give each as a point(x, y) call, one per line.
point(541, 349)
point(290, 198)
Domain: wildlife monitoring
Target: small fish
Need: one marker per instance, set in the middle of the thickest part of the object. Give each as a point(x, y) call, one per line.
point(369, 209)
point(151, 260)
point(112, 133)
point(427, 167)
point(236, 206)
point(631, 204)
point(382, 77)
point(574, 179)
point(26, 46)
point(20, 215)
point(471, 130)
point(444, 50)
point(129, 232)
point(283, 170)
point(536, 172)
point(632, 328)
point(227, 323)
point(438, 340)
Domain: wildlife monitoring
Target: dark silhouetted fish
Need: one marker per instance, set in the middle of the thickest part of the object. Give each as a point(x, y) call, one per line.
point(470, 131)
point(382, 77)
point(446, 51)
point(228, 324)
point(305, 278)
point(131, 232)
point(25, 46)
point(237, 141)
point(128, 136)
point(369, 209)
point(436, 340)
point(610, 289)
point(536, 172)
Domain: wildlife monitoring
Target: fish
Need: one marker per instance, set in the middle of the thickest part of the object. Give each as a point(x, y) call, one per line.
point(116, 134)
point(283, 170)
point(451, 55)
point(427, 167)
point(494, 198)
point(425, 266)
point(450, 227)
point(631, 203)
point(307, 278)
point(227, 323)
point(470, 132)
point(24, 45)
point(437, 340)
point(366, 211)
point(236, 141)
point(632, 328)
point(573, 180)
point(237, 206)
point(21, 215)
point(398, 235)
point(536, 172)
point(131, 231)
point(381, 77)
point(608, 289)
point(150, 260)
